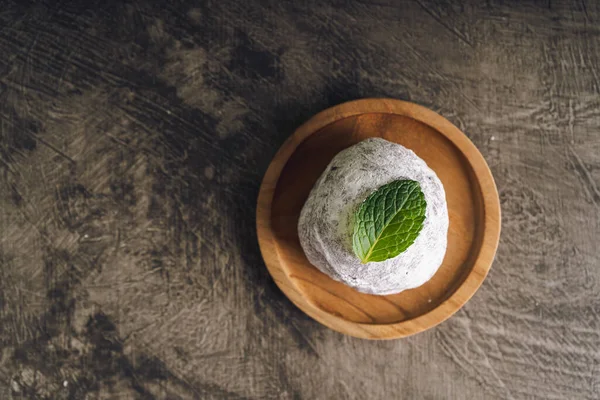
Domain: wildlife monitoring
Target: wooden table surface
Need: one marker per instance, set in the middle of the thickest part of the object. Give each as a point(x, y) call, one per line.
point(133, 139)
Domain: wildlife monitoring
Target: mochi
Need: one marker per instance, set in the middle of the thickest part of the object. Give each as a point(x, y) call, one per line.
point(326, 221)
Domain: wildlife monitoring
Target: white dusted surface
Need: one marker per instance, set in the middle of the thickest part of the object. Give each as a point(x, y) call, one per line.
point(326, 221)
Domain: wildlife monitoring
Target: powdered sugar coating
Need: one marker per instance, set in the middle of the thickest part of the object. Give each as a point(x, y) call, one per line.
point(326, 220)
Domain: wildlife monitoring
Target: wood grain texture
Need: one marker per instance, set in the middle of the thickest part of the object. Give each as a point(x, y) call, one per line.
point(473, 208)
point(133, 139)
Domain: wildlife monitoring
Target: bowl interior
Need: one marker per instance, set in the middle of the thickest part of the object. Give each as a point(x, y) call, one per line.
point(464, 206)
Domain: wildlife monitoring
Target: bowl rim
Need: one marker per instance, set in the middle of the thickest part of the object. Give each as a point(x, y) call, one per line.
point(490, 205)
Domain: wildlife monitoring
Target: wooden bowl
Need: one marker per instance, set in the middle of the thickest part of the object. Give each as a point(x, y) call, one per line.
point(473, 208)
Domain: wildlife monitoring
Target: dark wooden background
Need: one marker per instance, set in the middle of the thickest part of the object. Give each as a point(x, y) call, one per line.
point(133, 138)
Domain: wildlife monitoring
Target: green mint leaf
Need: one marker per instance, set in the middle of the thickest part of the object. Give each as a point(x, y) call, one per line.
point(388, 221)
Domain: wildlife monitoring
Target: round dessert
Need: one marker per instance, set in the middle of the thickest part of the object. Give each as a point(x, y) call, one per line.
point(376, 219)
